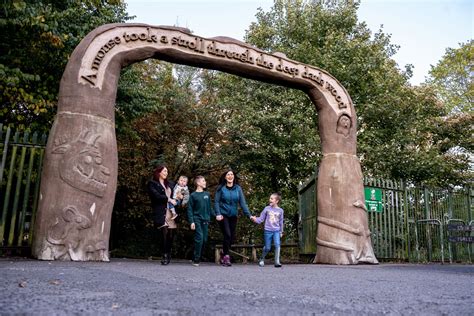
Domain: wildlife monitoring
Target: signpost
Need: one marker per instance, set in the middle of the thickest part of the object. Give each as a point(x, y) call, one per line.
point(373, 199)
point(465, 231)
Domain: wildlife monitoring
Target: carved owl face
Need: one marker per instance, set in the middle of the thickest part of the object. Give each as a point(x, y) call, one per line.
point(344, 125)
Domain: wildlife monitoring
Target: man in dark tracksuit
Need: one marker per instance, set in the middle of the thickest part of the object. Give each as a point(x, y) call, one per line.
point(199, 215)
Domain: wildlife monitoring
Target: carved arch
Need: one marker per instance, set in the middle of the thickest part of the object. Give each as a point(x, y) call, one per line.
point(86, 107)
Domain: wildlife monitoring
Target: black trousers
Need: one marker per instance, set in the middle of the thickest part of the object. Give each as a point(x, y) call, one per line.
point(167, 236)
point(228, 225)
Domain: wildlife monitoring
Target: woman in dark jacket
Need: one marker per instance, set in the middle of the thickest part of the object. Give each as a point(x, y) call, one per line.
point(229, 196)
point(159, 189)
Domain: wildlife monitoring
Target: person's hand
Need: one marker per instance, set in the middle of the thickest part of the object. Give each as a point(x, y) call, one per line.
point(219, 218)
point(193, 226)
point(253, 219)
point(281, 234)
point(179, 196)
point(172, 201)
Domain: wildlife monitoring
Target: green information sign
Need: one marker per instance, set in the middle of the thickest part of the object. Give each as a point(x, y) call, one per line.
point(373, 199)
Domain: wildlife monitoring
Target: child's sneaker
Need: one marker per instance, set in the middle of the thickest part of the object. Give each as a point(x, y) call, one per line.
point(195, 263)
point(277, 265)
point(261, 263)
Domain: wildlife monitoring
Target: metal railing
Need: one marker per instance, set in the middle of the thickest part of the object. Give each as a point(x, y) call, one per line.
point(20, 173)
point(411, 224)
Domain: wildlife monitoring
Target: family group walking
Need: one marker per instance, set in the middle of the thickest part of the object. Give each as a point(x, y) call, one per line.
point(228, 197)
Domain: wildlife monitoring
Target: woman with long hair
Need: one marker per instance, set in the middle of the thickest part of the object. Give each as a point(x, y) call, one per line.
point(228, 197)
point(159, 189)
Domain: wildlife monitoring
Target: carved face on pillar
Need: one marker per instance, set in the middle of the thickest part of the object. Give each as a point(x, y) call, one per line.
point(67, 225)
point(67, 232)
point(344, 124)
point(82, 164)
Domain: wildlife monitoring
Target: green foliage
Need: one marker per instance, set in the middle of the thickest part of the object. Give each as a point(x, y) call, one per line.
point(173, 119)
point(401, 129)
point(37, 39)
point(201, 121)
point(452, 78)
point(185, 117)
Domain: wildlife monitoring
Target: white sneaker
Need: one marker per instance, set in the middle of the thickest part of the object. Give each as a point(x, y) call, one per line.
point(261, 263)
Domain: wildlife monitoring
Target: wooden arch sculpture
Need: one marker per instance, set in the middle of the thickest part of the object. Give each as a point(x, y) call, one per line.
point(80, 170)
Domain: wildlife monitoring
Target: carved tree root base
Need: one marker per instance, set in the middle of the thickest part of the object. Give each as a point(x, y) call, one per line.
point(326, 255)
point(54, 252)
point(352, 245)
point(343, 234)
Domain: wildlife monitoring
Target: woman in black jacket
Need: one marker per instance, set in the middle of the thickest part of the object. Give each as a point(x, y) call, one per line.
point(159, 189)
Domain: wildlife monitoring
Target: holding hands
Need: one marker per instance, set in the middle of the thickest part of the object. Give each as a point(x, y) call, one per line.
point(253, 218)
point(219, 218)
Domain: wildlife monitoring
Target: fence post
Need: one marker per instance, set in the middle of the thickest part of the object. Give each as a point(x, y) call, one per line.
point(407, 224)
point(469, 212)
point(8, 189)
point(37, 191)
point(21, 225)
point(450, 215)
point(16, 200)
point(442, 241)
point(2, 168)
point(4, 155)
point(427, 216)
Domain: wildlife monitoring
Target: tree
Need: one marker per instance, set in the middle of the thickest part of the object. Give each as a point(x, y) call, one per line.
point(36, 41)
point(452, 81)
point(452, 78)
point(165, 114)
point(395, 120)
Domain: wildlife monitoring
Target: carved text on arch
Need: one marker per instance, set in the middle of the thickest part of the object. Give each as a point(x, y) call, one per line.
point(209, 47)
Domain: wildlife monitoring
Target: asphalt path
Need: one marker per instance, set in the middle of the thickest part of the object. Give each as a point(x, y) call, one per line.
point(144, 287)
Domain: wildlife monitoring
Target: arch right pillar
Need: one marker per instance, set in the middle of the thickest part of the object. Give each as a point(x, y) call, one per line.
point(343, 235)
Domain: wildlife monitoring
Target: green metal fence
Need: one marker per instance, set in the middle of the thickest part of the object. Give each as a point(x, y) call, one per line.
point(308, 213)
point(411, 223)
point(20, 170)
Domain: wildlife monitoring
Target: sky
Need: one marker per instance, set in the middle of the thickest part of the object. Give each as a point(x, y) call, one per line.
point(422, 28)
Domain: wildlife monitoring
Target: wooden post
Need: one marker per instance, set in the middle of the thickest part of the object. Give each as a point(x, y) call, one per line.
point(217, 255)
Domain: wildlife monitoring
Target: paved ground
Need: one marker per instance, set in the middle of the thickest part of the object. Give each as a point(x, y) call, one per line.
point(134, 287)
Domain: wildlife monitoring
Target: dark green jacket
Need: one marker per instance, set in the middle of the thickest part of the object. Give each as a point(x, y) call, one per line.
point(199, 207)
